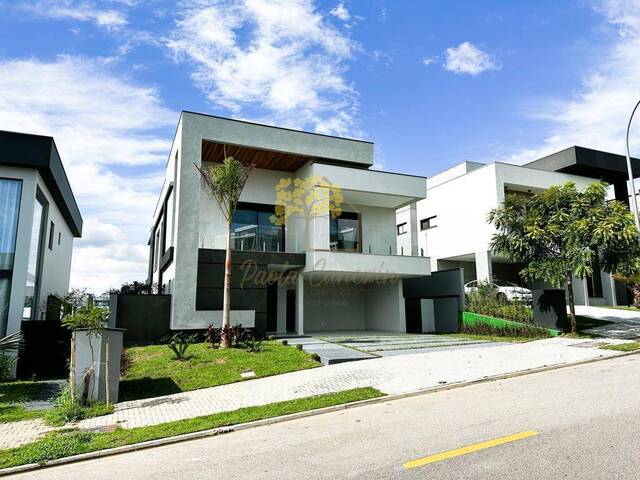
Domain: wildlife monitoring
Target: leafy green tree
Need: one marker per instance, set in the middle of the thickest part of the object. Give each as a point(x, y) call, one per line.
point(561, 232)
point(225, 182)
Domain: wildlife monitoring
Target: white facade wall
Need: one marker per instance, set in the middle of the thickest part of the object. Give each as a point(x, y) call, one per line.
point(461, 199)
point(200, 224)
point(55, 264)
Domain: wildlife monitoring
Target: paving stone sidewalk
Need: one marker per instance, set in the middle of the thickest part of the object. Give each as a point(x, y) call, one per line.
point(391, 375)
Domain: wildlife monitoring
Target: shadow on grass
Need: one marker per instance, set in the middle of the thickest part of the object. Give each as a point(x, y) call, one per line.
point(585, 323)
point(147, 387)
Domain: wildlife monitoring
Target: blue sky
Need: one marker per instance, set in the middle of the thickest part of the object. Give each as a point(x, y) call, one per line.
point(432, 83)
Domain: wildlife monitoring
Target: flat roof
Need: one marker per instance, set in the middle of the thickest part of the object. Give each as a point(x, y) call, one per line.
point(39, 152)
point(587, 162)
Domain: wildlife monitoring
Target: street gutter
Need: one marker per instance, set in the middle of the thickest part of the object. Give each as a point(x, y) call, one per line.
point(294, 416)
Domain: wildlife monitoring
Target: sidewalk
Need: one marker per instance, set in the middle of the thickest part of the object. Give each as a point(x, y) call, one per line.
point(390, 375)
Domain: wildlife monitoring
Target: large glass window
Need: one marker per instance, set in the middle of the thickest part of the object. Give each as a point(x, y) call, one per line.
point(168, 232)
point(10, 191)
point(252, 229)
point(9, 209)
point(29, 311)
point(344, 232)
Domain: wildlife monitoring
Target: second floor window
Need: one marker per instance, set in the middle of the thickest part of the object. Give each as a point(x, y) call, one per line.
point(427, 223)
point(252, 229)
point(344, 232)
point(402, 228)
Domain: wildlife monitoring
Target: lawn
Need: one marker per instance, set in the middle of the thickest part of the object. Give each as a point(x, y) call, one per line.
point(154, 371)
point(12, 394)
point(623, 347)
point(64, 444)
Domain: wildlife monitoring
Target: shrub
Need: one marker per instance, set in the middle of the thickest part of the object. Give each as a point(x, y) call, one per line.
point(125, 362)
point(524, 331)
point(213, 336)
point(271, 338)
point(483, 300)
point(238, 333)
point(285, 342)
point(65, 408)
point(252, 344)
point(315, 356)
point(7, 362)
point(179, 343)
point(299, 346)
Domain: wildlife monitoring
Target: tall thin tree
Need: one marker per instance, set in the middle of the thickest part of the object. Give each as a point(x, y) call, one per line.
point(225, 182)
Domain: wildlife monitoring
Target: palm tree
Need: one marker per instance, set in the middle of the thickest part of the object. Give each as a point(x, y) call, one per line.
point(225, 182)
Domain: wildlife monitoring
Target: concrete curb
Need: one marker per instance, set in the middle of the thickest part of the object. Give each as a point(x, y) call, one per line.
point(294, 416)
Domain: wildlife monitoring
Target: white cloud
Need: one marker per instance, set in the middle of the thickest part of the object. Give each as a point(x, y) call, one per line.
point(278, 58)
point(429, 60)
point(341, 12)
point(106, 128)
point(85, 11)
point(468, 59)
point(596, 115)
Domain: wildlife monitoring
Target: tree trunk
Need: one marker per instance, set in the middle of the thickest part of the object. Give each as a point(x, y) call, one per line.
point(572, 306)
point(226, 301)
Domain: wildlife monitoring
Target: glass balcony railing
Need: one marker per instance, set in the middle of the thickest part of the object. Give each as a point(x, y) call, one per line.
point(265, 238)
point(258, 238)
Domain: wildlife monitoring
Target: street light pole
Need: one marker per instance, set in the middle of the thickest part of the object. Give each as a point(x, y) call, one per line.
point(634, 200)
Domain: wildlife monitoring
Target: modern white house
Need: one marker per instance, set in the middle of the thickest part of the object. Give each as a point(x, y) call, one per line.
point(450, 225)
point(332, 266)
point(39, 220)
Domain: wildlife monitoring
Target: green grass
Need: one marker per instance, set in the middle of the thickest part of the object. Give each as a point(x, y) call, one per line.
point(12, 394)
point(63, 444)
point(623, 347)
point(154, 371)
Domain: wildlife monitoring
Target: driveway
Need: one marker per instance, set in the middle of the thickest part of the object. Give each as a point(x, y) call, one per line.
point(339, 347)
point(625, 323)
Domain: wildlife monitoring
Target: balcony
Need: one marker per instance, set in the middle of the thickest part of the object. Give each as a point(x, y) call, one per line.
point(366, 265)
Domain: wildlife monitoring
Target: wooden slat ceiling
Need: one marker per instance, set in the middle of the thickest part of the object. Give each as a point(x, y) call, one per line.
point(267, 159)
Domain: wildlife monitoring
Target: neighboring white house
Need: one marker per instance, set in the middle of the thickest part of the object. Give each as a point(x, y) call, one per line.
point(451, 223)
point(39, 219)
point(316, 271)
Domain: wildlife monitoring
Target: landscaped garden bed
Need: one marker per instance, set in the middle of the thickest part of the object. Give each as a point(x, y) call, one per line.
point(153, 370)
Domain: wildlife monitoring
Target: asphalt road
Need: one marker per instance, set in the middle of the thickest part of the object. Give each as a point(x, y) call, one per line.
point(587, 420)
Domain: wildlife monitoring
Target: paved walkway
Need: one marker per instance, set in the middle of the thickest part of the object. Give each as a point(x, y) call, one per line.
point(390, 375)
point(626, 323)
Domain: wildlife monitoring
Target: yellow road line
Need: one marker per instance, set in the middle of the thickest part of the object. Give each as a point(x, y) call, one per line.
point(469, 449)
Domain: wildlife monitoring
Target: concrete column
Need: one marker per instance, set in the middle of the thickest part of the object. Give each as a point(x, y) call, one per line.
point(402, 314)
point(281, 326)
point(300, 304)
point(609, 288)
point(580, 291)
point(413, 229)
point(483, 266)
point(319, 230)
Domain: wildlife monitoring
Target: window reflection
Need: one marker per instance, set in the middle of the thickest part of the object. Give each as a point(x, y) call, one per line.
point(10, 191)
point(253, 230)
point(31, 290)
point(344, 232)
